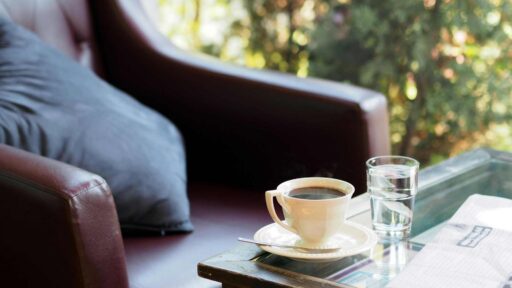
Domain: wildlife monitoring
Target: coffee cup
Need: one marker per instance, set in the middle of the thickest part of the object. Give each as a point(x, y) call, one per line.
point(314, 208)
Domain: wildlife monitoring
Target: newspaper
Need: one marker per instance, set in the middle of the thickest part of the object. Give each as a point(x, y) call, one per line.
point(474, 249)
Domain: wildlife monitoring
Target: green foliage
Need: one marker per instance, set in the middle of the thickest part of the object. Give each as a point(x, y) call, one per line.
point(443, 64)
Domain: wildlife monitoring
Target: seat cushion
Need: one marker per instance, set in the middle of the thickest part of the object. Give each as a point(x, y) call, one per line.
point(220, 216)
point(52, 106)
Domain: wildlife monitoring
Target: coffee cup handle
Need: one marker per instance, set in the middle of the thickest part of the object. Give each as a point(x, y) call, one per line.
point(269, 198)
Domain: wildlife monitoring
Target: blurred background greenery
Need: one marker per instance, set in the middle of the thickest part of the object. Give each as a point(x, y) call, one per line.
point(444, 65)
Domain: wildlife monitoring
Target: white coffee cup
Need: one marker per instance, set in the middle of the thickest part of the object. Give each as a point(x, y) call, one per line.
point(313, 220)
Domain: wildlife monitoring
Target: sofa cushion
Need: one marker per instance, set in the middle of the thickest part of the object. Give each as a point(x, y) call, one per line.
point(52, 106)
point(220, 214)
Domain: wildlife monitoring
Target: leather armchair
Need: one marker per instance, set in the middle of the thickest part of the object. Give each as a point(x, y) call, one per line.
point(59, 225)
point(245, 130)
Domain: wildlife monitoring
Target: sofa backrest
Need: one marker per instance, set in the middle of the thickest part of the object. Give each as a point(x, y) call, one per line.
point(63, 24)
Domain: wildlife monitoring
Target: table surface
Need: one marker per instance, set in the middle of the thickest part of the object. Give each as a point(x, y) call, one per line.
point(442, 189)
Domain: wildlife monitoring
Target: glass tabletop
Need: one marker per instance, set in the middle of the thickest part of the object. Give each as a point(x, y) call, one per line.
point(442, 189)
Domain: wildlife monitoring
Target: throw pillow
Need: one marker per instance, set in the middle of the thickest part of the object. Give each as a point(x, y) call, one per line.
point(52, 106)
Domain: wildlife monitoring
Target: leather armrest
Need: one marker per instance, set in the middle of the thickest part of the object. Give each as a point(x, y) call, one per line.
point(59, 225)
point(253, 127)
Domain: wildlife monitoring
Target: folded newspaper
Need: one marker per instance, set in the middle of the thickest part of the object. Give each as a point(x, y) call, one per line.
point(474, 249)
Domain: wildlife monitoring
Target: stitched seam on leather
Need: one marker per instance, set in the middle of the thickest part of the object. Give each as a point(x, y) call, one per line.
point(88, 189)
point(70, 216)
point(76, 240)
point(44, 188)
point(76, 232)
point(69, 201)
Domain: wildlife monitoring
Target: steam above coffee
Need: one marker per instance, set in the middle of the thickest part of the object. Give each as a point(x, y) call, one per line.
point(315, 193)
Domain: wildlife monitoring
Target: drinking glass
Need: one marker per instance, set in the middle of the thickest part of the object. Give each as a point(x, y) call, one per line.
point(392, 183)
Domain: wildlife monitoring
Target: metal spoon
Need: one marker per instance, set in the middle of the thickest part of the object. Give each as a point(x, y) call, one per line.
point(304, 249)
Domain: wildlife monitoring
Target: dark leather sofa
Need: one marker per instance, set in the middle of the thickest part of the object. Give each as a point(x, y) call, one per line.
point(245, 131)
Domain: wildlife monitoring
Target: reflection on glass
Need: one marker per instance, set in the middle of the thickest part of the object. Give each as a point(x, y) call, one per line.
point(386, 260)
point(390, 260)
point(445, 188)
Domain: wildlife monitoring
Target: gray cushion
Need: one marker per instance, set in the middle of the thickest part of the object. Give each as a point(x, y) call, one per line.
point(52, 106)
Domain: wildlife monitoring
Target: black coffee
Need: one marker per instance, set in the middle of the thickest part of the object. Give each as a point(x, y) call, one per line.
point(315, 193)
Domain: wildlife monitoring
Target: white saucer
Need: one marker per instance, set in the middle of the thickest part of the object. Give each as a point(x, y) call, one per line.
point(353, 238)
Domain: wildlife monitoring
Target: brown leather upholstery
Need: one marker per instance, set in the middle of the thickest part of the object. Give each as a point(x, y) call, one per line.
point(326, 129)
point(242, 128)
point(59, 225)
point(64, 24)
point(220, 215)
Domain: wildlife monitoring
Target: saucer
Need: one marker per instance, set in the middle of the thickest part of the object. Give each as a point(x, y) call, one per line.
point(353, 239)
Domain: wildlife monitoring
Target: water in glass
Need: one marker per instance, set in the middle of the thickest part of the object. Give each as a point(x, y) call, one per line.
point(392, 191)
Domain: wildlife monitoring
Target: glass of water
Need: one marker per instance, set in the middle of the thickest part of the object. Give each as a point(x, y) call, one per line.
point(392, 183)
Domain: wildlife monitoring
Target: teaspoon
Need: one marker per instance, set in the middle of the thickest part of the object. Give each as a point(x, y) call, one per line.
point(305, 249)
